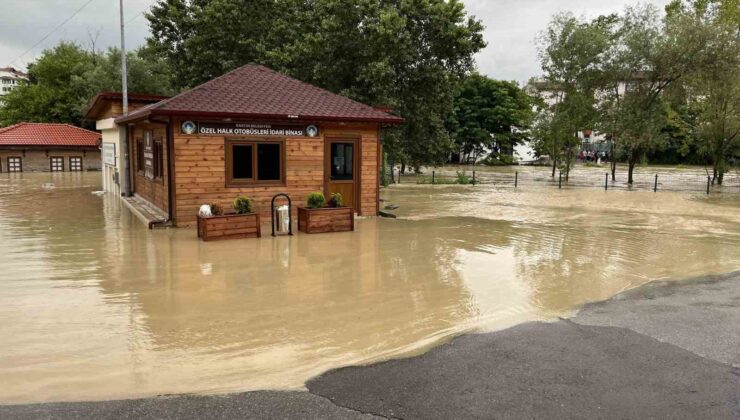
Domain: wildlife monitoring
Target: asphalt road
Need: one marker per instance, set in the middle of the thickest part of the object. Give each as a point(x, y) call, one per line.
point(665, 350)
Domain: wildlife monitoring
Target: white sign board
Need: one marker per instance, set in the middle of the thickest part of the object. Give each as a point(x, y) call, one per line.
point(109, 154)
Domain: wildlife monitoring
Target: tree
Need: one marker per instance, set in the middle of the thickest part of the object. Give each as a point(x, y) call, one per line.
point(64, 79)
point(652, 55)
point(489, 115)
point(409, 55)
point(713, 88)
point(571, 53)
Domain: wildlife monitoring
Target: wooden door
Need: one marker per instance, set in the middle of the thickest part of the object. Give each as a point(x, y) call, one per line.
point(341, 170)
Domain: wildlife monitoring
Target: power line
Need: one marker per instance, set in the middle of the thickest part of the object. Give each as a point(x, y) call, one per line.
point(135, 16)
point(51, 32)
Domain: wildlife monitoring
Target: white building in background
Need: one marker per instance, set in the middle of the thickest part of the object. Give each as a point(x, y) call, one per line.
point(10, 79)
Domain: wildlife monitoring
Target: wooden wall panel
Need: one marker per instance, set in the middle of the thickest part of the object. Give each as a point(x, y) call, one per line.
point(155, 191)
point(200, 176)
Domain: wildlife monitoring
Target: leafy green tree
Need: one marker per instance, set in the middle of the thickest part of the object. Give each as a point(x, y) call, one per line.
point(713, 87)
point(490, 115)
point(652, 55)
point(409, 55)
point(571, 53)
point(202, 39)
point(64, 79)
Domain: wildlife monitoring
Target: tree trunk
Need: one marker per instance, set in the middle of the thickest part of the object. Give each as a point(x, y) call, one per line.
point(403, 167)
point(719, 169)
point(613, 163)
point(554, 165)
point(632, 162)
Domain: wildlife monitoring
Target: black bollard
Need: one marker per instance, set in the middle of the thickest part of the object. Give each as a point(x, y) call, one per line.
point(606, 181)
point(432, 177)
point(473, 177)
point(516, 179)
point(560, 179)
point(709, 183)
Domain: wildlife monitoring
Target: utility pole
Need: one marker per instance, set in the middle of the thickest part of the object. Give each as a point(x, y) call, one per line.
point(124, 84)
point(123, 131)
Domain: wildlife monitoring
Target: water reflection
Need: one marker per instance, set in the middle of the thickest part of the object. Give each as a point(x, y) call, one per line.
point(96, 306)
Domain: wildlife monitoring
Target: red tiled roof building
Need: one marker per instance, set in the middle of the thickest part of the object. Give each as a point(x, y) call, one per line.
point(37, 147)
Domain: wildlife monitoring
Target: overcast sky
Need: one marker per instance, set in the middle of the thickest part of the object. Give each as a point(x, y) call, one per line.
point(511, 26)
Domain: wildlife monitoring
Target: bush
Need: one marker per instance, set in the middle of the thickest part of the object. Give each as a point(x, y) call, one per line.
point(216, 210)
point(463, 178)
point(336, 200)
point(242, 205)
point(316, 200)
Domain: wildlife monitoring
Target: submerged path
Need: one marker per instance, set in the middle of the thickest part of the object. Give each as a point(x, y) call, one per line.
point(666, 350)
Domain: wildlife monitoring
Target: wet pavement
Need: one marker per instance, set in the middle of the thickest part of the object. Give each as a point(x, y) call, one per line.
point(96, 307)
point(565, 369)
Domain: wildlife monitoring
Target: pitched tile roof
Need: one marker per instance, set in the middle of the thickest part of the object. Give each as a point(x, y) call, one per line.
point(255, 91)
point(43, 134)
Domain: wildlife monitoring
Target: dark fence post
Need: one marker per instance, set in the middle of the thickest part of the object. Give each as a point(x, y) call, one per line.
point(516, 178)
point(432, 177)
point(473, 177)
point(606, 181)
point(709, 183)
point(560, 179)
point(655, 187)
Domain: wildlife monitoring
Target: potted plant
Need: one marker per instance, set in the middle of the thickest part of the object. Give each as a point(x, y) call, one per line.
point(319, 216)
point(242, 223)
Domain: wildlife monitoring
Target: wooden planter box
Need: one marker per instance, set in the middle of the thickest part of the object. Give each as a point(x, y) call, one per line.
point(327, 219)
point(229, 226)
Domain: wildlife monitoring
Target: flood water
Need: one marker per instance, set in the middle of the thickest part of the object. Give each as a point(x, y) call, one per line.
point(95, 306)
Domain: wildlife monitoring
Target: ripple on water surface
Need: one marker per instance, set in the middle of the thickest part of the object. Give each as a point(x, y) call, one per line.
point(95, 306)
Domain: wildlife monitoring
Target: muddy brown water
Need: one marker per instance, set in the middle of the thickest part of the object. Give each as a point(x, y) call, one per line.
point(95, 306)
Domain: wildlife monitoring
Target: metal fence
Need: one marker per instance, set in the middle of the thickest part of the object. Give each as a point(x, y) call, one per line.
point(644, 179)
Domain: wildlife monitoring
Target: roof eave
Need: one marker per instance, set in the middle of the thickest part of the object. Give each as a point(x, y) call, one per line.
point(132, 118)
point(391, 120)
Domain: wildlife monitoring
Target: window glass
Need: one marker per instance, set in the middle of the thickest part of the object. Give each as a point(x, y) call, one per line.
point(241, 155)
point(268, 162)
point(342, 160)
point(139, 155)
point(158, 160)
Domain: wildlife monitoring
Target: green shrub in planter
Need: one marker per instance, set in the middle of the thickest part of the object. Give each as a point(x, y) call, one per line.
point(216, 210)
point(336, 200)
point(242, 205)
point(316, 200)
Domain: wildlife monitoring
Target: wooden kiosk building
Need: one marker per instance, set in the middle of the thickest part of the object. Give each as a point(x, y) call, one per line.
point(254, 132)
